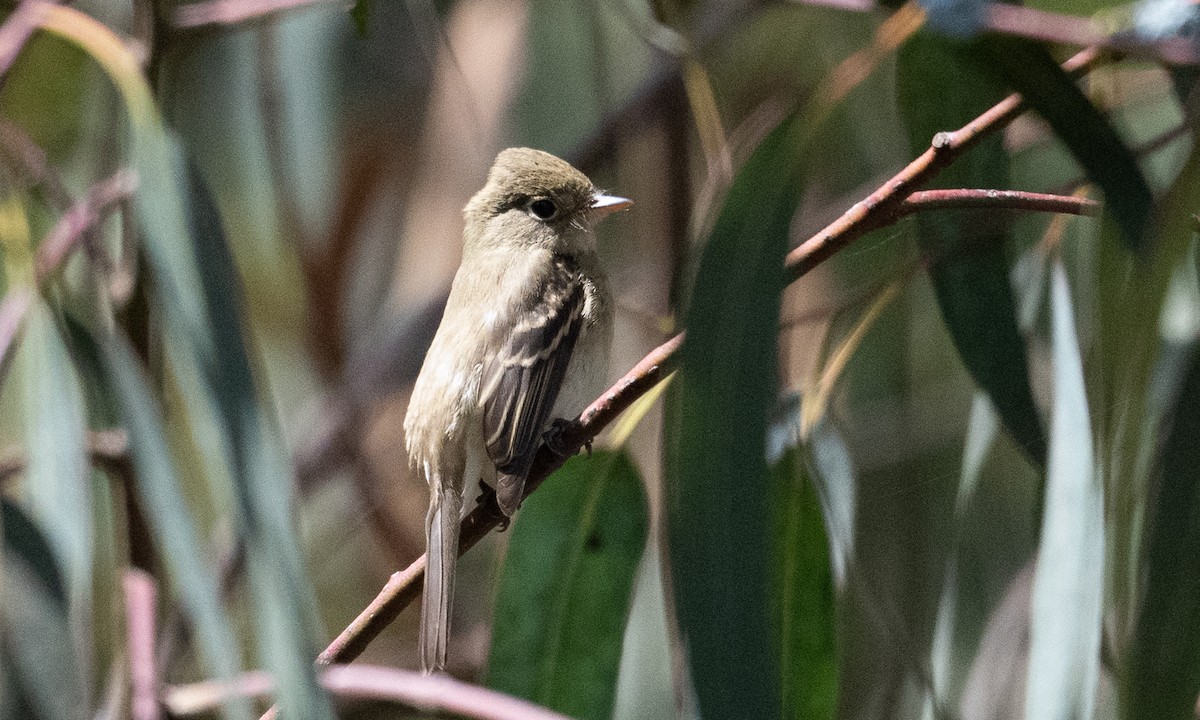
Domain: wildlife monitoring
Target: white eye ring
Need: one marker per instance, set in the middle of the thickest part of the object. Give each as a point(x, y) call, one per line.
point(543, 209)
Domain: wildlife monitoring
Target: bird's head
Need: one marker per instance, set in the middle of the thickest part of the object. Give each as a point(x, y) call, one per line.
point(533, 198)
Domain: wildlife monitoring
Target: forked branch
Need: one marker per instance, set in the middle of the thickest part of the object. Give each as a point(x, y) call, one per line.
point(894, 199)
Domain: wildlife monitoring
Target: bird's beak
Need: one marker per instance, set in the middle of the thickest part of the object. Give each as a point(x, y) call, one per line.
point(604, 204)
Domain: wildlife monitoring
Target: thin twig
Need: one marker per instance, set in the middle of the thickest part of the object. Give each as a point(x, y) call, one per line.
point(106, 449)
point(141, 598)
point(31, 159)
point(72, 227)
point(12, 310)
point(17, 30)
point(440, 693)
point(865, 215)
point(231, 12)
point(997, 200)
point(404, 586)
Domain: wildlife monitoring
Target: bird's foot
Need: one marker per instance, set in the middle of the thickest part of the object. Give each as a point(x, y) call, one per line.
point(553, 438)
point(486, 493)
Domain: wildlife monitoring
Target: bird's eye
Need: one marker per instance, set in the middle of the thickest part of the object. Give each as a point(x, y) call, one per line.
point(543, 208)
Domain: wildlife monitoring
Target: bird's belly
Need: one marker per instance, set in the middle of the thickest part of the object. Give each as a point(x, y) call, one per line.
point(587, 374)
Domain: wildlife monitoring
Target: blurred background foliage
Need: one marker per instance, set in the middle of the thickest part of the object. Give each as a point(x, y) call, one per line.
point(950, 473)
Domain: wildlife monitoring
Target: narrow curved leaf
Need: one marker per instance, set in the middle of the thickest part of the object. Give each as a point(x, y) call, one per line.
point(1068, 586)
point(166, 510)
point(941, 89)
point(719, 484)
point(1029, 68)
point(566, 586)
point(1164, 672)
point(198, 289)
point(57, 477)
point(24, 541)
point(807, 621)
point(285, 604)
point(34, 633)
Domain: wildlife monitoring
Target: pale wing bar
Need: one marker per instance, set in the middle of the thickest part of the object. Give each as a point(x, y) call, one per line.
point(522, 382)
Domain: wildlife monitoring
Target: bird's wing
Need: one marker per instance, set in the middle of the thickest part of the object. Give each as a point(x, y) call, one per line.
point(521, 382)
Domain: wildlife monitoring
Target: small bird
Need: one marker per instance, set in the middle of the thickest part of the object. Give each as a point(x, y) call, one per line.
point(524, 341)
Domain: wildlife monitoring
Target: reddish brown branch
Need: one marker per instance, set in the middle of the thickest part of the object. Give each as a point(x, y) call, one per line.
point(871, 213)
point(370, 682)
point(881, 207)
point(997, 200)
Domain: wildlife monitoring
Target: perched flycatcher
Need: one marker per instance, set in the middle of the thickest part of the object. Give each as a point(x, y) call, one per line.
point(524, 341)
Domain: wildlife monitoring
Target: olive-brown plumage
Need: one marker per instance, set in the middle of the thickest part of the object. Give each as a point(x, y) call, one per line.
point(524, 340)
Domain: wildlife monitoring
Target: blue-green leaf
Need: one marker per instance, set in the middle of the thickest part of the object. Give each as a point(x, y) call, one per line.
point(1068, 589)
point(57, 477)
point(196, 286)
point(719, 487)
point(565, 590)
point(166, 510)
point(941, 89)
point(39, 661)
point(285, 604)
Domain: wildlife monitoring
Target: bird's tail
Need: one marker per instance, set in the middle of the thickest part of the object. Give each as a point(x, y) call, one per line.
point(441, 542)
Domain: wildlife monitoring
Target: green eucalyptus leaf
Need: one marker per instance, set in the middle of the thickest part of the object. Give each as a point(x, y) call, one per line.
point(807, 618)
point(285, 604)
point(940, 88)
point(24, 542)
point(196, 284)
point(718, 481)
point(565, 591)
point(1164, 671)
point(360, 13)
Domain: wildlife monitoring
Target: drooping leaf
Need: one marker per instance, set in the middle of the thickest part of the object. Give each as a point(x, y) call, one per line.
point(941, 89)
point(807, 621)
point(1068, 589)
point(57, 477)
point(836, 484)
point(35, 636)
point(284, 601)
point(718, 483)
point(166, 510)
point(23, 538)
point(565, 589)
point(982, 429)
point(197, 288)
point(1029, 68)
point(1130, 295)
point(1164, 670)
